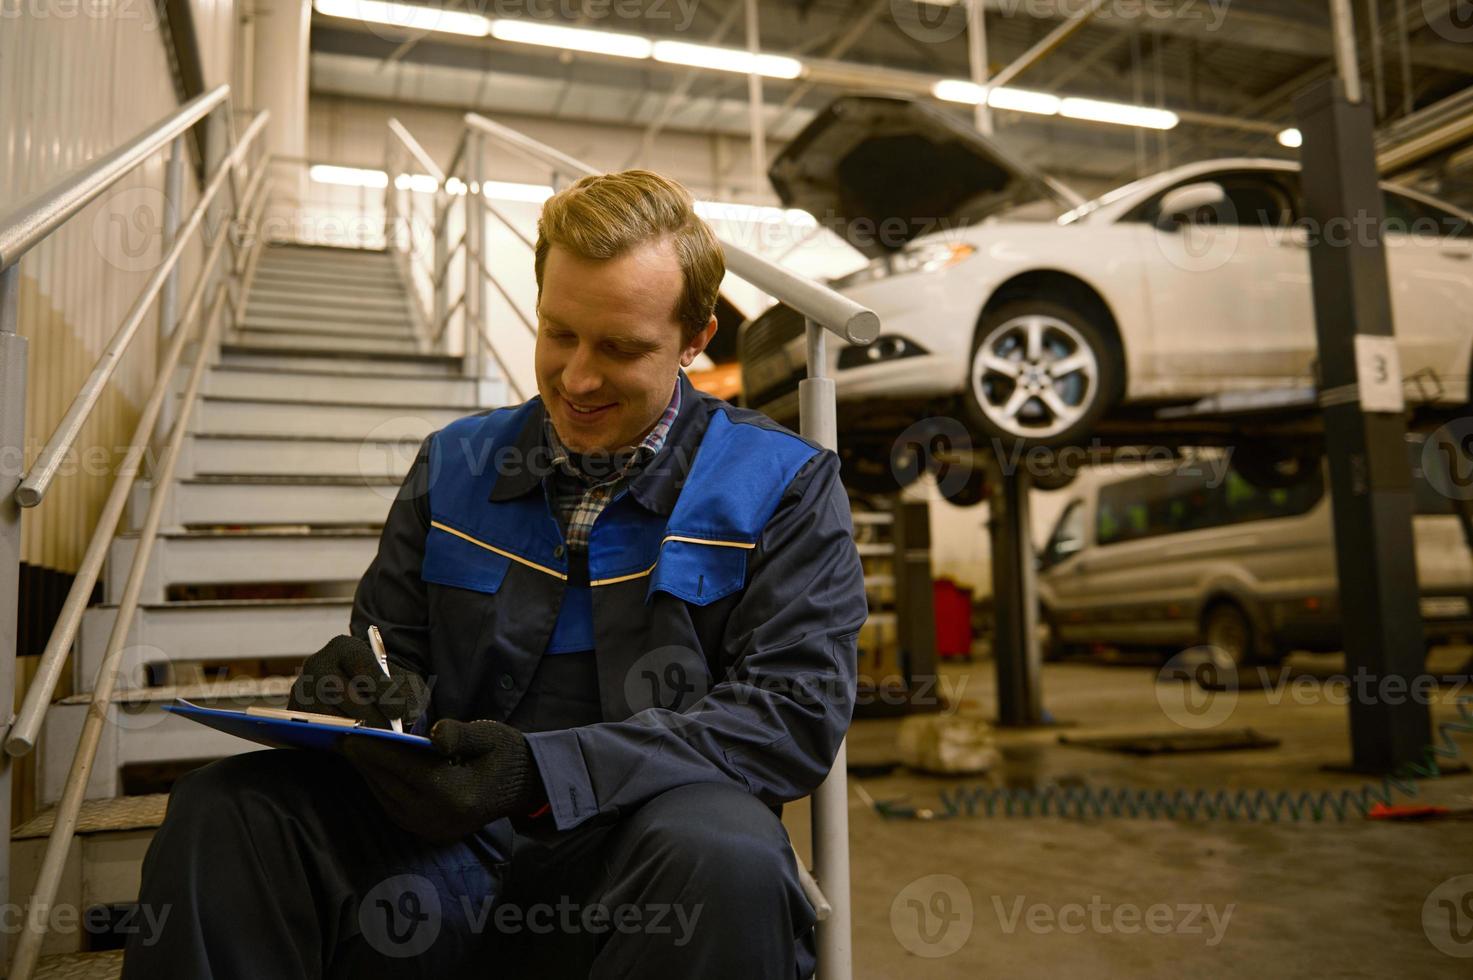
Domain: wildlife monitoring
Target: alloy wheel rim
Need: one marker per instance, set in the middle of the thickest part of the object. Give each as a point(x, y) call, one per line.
point(1035, 376)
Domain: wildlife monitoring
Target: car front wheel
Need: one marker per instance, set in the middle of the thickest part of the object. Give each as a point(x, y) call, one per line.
point(1041, 374)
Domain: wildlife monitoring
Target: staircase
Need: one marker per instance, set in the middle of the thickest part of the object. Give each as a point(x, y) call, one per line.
point(309, 417)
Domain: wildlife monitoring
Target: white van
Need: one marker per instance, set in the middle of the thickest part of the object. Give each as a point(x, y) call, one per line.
point(1196, 557)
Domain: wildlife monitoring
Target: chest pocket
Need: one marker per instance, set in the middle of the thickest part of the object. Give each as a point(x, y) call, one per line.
point(452, 560)
point(699, 573)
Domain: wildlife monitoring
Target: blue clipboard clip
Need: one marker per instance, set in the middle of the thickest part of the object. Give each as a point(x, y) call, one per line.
point(280, 728)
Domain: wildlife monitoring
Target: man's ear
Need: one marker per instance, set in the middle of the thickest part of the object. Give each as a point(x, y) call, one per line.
point(698, 343)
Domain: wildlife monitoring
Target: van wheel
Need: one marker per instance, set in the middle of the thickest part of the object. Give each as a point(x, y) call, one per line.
point(1041, 374)
point(1228, 629)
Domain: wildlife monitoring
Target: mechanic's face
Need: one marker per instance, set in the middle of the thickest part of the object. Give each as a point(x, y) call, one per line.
point(608, 344)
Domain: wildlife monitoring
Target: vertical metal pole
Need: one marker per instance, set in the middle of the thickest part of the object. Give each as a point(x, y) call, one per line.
point(977, 59)
point(1347, 65)
point(442, 246)
point(12, 465)
point(1015, 652)
point(474, 224)
point(1365, 432)
point(390, 200)
point(817, 421)
point(1378, 59)
point(173, 194)
point(754, 106)
point(1404, 47)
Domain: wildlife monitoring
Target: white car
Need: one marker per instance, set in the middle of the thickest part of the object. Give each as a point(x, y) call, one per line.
point(1034, 316)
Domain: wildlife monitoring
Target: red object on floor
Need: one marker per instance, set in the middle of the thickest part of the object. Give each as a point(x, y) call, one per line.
point(1407, 812)
point(953, 609)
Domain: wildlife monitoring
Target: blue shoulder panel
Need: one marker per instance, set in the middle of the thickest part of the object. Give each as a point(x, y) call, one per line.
point(737, 479)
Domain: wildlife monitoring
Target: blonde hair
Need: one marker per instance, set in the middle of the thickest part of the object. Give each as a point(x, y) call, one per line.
point(601, 216)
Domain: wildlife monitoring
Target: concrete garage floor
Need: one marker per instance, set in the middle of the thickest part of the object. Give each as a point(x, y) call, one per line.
point(1061, 898)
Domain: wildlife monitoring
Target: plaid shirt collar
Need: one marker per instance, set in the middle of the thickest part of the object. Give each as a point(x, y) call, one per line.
point(598, 468)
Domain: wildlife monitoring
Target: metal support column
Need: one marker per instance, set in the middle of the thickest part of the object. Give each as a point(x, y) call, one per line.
point(915, 609)
point(1015, 652)
point(1365, 433)
point(977, 60)
point(818, 421)
point(474, 281)
point(758, 134)
point(12, 466)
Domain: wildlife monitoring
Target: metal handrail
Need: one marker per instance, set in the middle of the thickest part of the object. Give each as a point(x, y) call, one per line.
point(825, 311)
point(48, 209)
point(22, 230)
point(33, 488)
point(836, 313)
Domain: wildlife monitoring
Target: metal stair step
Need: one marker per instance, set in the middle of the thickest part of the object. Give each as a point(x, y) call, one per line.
point(241, 557)
point(225, 629)
point(361, 418)
point(368, 280)
point(268, 356)
point(298, 255)
point(335, 299)
point(336, 327)
point(138, 730)
point(101, 868)
point(242, 501)
point(320, 343)
point(106, 965)
point(280, 309)
point(229, 381)
point(386, 292)
point(204, 454)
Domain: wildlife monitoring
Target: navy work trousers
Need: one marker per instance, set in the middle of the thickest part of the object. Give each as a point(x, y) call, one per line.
point(279, 865)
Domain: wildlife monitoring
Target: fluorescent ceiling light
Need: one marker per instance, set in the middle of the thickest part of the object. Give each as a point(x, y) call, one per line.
point(324, 173)
point(1291, 138)
point(572, 38)
point(409, 16)
point(726, 59)
point(957, 90)
point(423, 183)
point(1009, 99)
point(1023, 100)
point(500, 190)
point(1118, 112)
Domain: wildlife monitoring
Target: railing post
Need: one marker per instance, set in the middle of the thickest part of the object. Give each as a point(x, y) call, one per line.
point(817, 421)
point(473, 287)
point(440, 285)
point(173, 199)
point(12, 465)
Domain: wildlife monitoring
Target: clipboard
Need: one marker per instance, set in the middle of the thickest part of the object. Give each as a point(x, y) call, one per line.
point(283, 729)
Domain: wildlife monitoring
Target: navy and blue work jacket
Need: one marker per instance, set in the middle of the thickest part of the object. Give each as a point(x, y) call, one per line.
point(721, 597)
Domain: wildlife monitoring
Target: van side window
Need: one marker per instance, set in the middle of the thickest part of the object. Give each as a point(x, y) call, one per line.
point(1068, 536)
point(1151, 506)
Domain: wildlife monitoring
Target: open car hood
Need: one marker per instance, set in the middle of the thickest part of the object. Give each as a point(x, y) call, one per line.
point(880, 170)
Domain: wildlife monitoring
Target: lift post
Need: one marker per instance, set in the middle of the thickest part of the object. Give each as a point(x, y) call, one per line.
point(1365, 432)
point(1015, 652)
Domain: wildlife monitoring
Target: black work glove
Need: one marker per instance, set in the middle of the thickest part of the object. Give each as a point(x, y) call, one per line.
point(480, 771)
point(344, 678)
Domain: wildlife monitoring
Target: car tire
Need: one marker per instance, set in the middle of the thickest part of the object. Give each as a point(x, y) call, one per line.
point(1024, 343)
point(1227, 628)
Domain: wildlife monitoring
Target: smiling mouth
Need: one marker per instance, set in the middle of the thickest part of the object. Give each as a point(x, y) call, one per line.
point(579, 412)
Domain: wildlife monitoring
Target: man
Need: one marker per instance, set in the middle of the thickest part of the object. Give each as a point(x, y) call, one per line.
point(625, 613)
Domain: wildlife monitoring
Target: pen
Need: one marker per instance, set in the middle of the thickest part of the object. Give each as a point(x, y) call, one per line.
point(376, 641)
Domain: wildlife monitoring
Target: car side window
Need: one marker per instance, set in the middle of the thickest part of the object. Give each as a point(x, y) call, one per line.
point(1254, 198)
point(1068, 536)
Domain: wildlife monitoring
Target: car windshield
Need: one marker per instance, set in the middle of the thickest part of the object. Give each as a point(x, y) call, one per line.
point(1090, 207)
